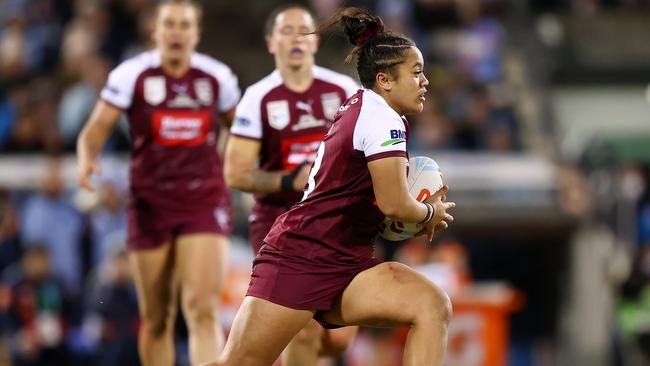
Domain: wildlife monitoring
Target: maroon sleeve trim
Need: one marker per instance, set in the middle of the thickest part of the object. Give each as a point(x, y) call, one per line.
point(245, 137)
point(387, 154)
point(112, 104)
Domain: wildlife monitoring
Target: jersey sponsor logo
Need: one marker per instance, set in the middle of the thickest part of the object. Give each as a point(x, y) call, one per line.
point(155, 89)
point(345, 107)
point(180, 128)
point(241, 122)
point(331, 103)
point(182, 99)
point(221, 217)
point(203, 90)
point(297, 150)
point(305, 106)
point(112, 89)
point(396, 137)
point(307, 121)
point(278, 114)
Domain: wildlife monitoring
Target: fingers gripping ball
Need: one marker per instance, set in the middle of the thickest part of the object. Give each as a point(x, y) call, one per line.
point(424, 179)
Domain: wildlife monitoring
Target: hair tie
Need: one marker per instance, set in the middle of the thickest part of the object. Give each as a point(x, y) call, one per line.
point(372, 32)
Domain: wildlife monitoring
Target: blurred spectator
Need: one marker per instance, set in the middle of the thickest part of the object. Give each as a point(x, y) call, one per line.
point(49, 218)
point(111, 322)
point(480, 42)
point(478, 124)
point(9, 236)
point(35, 127)
point(434, 127)
point(108, 217)
point(80, 40)
point(78, 101)
point(36, 311)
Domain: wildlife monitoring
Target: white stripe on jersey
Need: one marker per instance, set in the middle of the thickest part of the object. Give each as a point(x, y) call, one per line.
point(229, 92)
point(121, 81)
point(248, 119)
point(379, 128)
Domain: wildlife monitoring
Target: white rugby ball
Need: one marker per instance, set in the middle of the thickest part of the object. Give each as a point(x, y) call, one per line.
point(424, 179)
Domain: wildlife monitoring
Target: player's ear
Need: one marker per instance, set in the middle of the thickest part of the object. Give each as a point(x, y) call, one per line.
point(269, 45)
point(384, 81)
point(317, 41)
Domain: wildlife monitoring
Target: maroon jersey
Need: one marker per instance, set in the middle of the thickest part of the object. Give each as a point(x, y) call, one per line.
point(290, 125)
point(174, 158)
point(338, 218)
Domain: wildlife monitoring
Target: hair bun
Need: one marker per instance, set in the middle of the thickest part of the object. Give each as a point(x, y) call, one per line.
point(360, 26)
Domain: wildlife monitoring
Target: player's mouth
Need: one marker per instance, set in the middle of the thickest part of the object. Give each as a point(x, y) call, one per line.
point(176, 46)
point(296, 52)
point(421, 96)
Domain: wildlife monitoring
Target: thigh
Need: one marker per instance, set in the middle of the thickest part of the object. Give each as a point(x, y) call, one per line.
point(148, 227)
point(260, 331)
point(201, 264)
point(389, 294)
point(153, 274)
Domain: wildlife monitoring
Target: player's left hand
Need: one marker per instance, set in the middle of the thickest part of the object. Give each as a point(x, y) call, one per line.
point(302, 176)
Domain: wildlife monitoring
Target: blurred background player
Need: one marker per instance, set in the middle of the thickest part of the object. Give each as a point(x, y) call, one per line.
point(317, 261)
point(179, 216)
point(278, 127)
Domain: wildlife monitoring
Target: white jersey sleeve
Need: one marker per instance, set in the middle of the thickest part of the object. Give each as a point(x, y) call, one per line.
point(248, 119)
point(349, 85)
point(120, 86)
point(379, 133)
point(229, 91)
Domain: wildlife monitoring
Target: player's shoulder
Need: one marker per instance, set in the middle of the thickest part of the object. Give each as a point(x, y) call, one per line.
point(333, 77)
point(374, 107)
point(261, 88)
point(210, 65)
point(138, 64)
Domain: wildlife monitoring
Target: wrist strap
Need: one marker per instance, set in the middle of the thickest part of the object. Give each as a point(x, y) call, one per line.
point(429, 215)
point(286, 182)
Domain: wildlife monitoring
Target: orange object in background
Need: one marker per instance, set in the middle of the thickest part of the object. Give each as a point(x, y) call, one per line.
point(479, 329)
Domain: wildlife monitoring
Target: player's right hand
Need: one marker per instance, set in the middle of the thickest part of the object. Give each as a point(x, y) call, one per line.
point(84, 171)
point(441, 219)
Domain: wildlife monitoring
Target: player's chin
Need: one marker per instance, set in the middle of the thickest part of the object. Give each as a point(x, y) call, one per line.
point(415, 108)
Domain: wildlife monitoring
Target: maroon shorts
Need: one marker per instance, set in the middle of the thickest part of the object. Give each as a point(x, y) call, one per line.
point(259, 224)
point(149, 227)
point(302, 283)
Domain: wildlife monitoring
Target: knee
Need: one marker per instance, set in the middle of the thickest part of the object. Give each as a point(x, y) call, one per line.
point(201, 309)
point(333, 345)
point(309, 336)
point(155, 324)
point(435, 306)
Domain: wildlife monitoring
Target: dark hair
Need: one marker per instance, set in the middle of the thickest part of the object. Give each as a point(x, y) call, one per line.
point(376, 50)
point(270, 20)
point(197, 7)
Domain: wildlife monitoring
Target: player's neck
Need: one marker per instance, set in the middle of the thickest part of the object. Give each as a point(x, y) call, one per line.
point(388, 100)
point(297, 80)
point(175, 68)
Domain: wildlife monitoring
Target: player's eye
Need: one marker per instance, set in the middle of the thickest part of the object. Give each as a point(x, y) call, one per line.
point(287, 31)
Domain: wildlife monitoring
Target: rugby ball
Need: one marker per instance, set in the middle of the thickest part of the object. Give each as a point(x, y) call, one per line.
point(424, 179)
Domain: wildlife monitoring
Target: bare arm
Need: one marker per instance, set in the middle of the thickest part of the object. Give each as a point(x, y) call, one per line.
point(242, 173)
point(224, 130)
point(393, 198)
point(100, 125)
point(391, 190)
point(228, 117)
